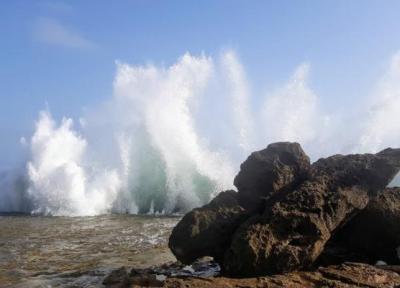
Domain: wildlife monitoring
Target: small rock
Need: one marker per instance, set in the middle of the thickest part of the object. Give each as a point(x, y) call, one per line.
point(147, 280)
point(117, 278)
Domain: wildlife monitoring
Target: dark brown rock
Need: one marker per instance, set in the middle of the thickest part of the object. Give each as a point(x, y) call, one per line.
point(145, 280)
point(117, 278)
point(288, 237)
point(372, 172)
point(374, 234)
point(348, 275)
point(278, 167)
point(293, 230)
point(207, 231)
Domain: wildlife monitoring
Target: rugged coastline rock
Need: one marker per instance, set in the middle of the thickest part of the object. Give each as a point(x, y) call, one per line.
point(206, 231)
point(292, 232)
point(286, 210)
point(279, 167)
point(346, 275)
point(374, 234)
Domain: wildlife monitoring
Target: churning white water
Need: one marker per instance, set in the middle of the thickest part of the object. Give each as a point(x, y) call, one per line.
point(172, 137)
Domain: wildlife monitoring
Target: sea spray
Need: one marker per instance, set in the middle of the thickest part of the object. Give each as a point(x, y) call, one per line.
point(169, 163)
point(172, 137)
point(291, 112)
point(382, 124)
point(160, 163)
point(60, 181)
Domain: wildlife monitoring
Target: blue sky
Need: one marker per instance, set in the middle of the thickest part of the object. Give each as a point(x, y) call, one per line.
point(62, 54)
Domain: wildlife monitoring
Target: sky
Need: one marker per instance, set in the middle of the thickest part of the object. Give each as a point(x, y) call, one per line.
point(61, 55)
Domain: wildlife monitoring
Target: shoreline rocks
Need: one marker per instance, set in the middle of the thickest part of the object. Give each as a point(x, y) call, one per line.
point(206, 231)
point(374, 234)
point(285, 211)
point(174, 275)
point(346, 275)
point(278, 168)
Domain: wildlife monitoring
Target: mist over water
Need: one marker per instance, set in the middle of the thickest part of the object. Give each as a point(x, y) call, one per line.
point(172, 137)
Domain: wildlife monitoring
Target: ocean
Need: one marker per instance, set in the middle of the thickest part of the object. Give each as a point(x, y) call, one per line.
point(38, 251)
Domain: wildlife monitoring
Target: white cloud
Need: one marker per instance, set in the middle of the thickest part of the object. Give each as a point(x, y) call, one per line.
point(52, 32)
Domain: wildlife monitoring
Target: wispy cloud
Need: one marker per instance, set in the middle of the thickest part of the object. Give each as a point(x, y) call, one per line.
point(52, 32)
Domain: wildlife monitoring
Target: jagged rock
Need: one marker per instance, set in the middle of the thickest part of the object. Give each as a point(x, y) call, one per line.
point(291, 209)
point(207, 231)
point(293, 230)
point(278, 167)
point(374, 234)
point(287, 238)
point(348, 275)
point(372, 172)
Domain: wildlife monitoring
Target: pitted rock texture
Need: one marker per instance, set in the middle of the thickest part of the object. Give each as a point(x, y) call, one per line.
point(374, 234)
point(348, 275)
point(207, 231)
point(286, 210)
point(293, 231)
point(279, 167)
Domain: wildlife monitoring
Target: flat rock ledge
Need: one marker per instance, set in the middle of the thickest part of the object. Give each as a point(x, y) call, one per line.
point(346, 275)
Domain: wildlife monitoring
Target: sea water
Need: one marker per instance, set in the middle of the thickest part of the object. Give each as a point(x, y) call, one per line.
point(78, 251)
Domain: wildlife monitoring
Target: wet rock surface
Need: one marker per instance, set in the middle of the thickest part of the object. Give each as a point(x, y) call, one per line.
point(156, 276)
point(292, 210)
point(346, 275)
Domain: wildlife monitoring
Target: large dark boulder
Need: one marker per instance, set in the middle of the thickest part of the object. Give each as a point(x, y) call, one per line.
point(372, 235)
point(286, 211)
point(207, 231)
point(293, 230)
point(281, 166)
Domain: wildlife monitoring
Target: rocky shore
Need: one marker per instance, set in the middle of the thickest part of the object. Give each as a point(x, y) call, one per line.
point(291, 224)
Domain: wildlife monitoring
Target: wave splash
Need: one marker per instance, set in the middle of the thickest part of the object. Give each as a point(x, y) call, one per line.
point(172, 137)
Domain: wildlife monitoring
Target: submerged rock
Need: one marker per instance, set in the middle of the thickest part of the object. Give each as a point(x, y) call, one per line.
point(207, 231)
point(280, 166)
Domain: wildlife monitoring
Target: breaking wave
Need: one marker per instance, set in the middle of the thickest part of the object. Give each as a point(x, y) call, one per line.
point(172, 137)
